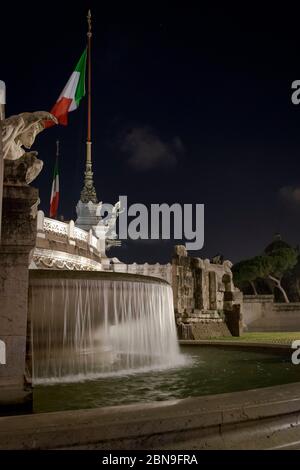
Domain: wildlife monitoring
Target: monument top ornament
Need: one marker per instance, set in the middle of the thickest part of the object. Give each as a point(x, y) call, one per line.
point(21, 130)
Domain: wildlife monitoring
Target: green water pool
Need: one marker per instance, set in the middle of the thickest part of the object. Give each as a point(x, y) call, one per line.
point(209, 370)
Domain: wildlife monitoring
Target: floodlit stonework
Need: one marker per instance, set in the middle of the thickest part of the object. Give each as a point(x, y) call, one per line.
point(206, 302)
point(18, 239)
point(20, 131)
point(61, 245)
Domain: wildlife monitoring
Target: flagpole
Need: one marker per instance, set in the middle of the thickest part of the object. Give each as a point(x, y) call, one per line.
point(54, 188)
point(89, 193)
point(89, 127)
point(57, 149)
point(56, 165)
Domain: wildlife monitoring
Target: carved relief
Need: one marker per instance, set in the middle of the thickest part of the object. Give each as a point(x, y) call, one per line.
point(21, 130)
point(47, 259)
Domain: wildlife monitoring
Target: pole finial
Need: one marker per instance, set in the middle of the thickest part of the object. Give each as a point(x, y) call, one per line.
point(88, 192)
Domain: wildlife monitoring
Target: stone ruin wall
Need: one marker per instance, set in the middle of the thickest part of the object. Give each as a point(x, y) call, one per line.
point(206, 302)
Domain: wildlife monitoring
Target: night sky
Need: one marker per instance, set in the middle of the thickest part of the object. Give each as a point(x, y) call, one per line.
point(205, 95)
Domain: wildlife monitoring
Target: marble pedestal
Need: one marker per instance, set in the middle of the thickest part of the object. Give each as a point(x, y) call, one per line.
point(88, 215)
point(17, 240)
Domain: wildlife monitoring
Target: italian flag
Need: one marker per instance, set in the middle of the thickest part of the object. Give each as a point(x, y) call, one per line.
point(71, 95)
point(54, 192)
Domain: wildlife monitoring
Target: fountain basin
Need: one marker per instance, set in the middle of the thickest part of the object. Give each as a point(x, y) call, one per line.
point(160, 406)
point(207, 370)
point(241, 420)
point(260, 418)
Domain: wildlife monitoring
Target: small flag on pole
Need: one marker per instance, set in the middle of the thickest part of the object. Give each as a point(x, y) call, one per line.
point(71, 95)
point(55, 187)
point(2, 92)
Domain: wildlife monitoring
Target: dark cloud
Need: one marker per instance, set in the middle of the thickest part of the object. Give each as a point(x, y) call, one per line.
point(147, 150)
point(290, 195)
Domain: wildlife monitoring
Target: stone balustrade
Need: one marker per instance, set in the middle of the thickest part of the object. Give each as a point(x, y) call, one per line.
point(55, 229)
point(162, 271)
point(61, 245)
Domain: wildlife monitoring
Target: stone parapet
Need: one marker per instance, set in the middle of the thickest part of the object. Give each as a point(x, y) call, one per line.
point(61, 245)
point(162, 271)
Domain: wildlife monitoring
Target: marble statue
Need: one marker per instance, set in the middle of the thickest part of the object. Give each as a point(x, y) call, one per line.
point(23, 170)
point(111, 223)
point(21, 130)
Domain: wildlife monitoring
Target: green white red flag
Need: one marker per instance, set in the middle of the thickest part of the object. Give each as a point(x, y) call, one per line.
point(71, 95)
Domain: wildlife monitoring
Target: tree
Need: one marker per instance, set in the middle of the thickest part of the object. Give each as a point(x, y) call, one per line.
point(270, 266)
point(279, 261)
point(248, 271)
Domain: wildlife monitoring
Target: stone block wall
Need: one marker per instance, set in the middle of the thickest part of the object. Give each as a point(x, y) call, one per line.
point(205, 299)
point(205, 327)
point(260, 313)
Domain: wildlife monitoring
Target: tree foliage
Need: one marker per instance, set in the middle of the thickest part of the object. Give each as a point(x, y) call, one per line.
point(247, 270)
point(269, 266)
point(282, 260)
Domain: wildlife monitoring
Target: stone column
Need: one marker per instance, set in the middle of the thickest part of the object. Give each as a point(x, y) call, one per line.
point(212, 280)
point(198, 283)
point(17, 241)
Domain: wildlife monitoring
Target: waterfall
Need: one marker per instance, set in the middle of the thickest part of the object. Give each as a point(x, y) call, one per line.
point(85, 328)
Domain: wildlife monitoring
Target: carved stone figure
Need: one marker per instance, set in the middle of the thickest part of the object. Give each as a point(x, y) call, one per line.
point(21, 130)
point(88, 192)
point(227, 265)
point(24, 170)
point(217, 259)
point(111, 223)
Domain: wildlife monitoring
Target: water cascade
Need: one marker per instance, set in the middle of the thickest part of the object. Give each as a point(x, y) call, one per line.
point(89, 325)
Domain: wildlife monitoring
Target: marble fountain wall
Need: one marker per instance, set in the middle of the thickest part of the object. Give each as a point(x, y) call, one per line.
point(206, 302)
